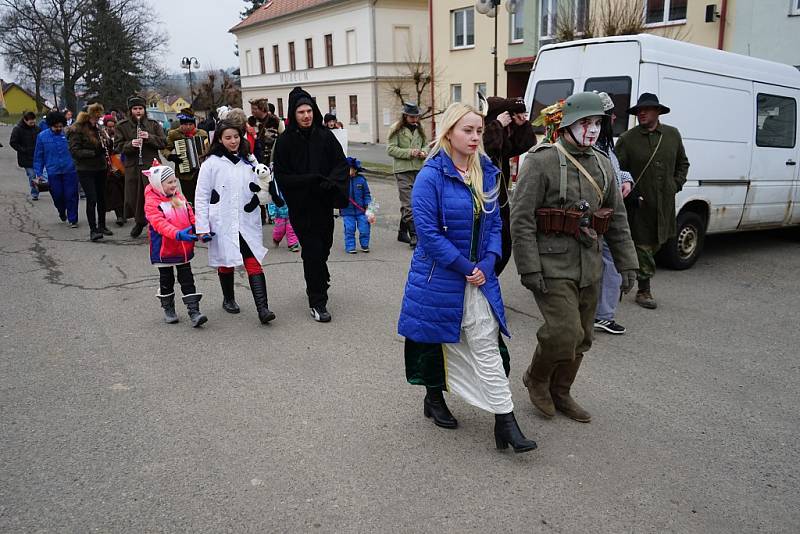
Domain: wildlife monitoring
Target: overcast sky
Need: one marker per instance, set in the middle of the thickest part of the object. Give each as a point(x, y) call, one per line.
point(196, 28)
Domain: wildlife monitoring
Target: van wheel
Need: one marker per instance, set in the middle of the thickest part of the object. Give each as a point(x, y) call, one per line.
point(682, 251)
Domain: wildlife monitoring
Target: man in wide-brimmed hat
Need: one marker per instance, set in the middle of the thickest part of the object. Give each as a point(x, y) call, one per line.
point(653, 153)
point(407, 147)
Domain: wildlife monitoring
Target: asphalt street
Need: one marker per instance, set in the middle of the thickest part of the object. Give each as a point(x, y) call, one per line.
point(112, 421)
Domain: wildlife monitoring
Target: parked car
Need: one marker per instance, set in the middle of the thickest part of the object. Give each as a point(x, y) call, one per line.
point(161, 117)
point(737, 115)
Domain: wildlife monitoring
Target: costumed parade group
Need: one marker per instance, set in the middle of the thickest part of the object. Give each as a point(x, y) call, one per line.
point(566, 222)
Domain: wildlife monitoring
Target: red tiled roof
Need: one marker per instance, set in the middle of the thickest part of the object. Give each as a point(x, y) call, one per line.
point(276, 8)
point(520, 60)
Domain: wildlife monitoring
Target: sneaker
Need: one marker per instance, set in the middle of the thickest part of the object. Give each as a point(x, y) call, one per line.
point(34, 198)
point(351, 251)
point(95, 235)
point(364, 249)
point(63, 217)
point(73, 224)
point(295, 248)
point(106, 231)
point(320, 314)
point(609, 326)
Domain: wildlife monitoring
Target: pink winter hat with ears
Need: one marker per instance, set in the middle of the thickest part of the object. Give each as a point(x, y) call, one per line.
point(158, 174)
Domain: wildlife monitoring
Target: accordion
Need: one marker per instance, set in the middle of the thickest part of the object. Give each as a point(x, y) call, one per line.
point(190, 150)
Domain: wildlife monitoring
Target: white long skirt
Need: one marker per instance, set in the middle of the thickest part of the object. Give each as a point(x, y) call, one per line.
point(473, 366)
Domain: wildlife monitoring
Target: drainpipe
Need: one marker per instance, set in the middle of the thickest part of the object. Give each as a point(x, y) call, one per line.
point(723, 12)
point(375, 117)
point(433, 82)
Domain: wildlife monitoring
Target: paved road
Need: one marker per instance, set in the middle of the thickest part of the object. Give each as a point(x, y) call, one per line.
point(114, 422)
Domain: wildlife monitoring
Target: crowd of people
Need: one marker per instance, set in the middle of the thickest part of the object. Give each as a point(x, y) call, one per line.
point(584, 221)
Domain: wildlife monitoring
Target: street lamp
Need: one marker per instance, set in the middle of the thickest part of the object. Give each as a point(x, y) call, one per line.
point(189, 63)
point(489, 8)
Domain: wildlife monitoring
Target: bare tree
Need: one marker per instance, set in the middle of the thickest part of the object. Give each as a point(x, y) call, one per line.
point(413, 84)
point(25, 54)
point(218, 88)
point(607, 18)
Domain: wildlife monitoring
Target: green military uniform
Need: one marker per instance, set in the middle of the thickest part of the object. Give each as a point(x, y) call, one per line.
point(652, 222)
point(135, 181)
point(571, 268)
point(189, 179)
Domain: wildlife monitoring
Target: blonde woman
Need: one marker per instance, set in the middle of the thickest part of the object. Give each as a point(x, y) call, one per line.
point(452, 312)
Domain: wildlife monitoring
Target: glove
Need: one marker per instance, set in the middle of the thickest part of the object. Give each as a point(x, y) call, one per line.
point(628, 279)
point(208, 237)
point(174, 158)
point(534, 282)
point(186, 235)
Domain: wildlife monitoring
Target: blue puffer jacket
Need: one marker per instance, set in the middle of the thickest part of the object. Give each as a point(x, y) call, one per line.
point(52, 152)
point(359, 193)
point(433, 304)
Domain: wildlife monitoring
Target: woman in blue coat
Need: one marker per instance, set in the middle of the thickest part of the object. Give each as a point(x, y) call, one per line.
point(452, 313)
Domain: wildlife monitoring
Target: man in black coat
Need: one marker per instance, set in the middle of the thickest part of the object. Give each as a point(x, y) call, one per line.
point(311, 171)
point(23, 140)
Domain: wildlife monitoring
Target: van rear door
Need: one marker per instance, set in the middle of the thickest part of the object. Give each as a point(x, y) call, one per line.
point(773, 171)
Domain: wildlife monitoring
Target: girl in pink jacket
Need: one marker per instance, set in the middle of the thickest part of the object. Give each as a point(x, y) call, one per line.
point(172, 238)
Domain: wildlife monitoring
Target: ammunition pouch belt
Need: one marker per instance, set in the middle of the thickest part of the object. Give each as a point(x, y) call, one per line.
point(567, 221)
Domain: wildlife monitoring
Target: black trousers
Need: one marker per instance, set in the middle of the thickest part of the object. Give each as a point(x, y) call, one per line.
point(166, 279)
point(94, 187)
point(315, 232)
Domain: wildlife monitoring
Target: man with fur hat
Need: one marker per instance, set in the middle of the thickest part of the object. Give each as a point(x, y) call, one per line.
point(186, 130)
point(566, 200)
point(407, 146)
point(653, 153)
point(507, 134)
point(138, 139)
point(311, 172)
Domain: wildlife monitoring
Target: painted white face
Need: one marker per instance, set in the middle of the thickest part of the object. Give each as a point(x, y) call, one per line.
point(587, 130)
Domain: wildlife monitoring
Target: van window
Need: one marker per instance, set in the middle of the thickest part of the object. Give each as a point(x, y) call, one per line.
point(619, 89)
point(776, 122)
point(547, 93)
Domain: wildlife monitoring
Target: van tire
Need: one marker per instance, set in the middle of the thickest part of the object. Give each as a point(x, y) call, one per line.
point(682, 251)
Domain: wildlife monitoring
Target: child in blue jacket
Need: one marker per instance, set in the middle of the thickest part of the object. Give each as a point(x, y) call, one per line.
point(355, 215)
point(52, 156)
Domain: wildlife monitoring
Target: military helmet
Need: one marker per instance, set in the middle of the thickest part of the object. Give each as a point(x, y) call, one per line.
point(580, 106)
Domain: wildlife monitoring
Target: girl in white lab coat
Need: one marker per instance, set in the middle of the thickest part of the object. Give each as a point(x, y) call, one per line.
point(226, 206)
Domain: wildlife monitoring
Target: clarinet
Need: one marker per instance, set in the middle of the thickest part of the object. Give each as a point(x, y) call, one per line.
point(138, 131)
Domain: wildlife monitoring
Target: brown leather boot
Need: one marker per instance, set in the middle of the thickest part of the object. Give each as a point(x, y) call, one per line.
point(644, 297)
point(563, 377)
point(537, 380)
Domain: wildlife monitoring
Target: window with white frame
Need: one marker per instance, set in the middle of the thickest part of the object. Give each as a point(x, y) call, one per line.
point(665, 11)
point(479, 88)
point(455, 93)
point(517, 24)
point(794, 7)
point(463, 27)
point(549, 13)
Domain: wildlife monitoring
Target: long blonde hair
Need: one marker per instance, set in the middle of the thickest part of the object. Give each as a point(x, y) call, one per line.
point(454, 113)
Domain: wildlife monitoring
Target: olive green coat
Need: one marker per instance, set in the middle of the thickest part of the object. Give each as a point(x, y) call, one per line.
point(653, 222)
point(559, 255)
point(399, 147)
point(174, 135)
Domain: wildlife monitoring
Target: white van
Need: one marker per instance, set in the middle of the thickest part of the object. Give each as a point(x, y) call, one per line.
point(737, 115)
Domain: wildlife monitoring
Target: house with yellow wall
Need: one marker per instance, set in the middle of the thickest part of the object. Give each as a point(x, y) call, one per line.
point(18, 100)
point(177, 103)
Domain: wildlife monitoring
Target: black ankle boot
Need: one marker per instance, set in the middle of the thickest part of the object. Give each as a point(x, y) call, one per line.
point(258, 285)
point(507, 432)
point(193, 307)
point(436, 408)
point(402, 233)
point(412, 235)
point(168, 303)
point(228, 300)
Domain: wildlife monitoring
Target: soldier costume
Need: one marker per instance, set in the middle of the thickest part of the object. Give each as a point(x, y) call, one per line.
point(558, 214)
point(658, 163)
point(135, 181)
point(186, 130)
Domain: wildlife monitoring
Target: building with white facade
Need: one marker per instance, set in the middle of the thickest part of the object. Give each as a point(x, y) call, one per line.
point(349, 54)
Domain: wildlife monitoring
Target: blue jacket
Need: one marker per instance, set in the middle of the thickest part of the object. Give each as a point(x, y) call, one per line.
point(433, 303)
point(359, 193)
point(52, 152)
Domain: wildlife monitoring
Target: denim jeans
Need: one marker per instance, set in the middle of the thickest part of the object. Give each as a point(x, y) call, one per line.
point(609, 288)
point(31, 174)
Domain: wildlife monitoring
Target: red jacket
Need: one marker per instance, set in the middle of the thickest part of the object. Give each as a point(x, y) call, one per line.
point(165, 222)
